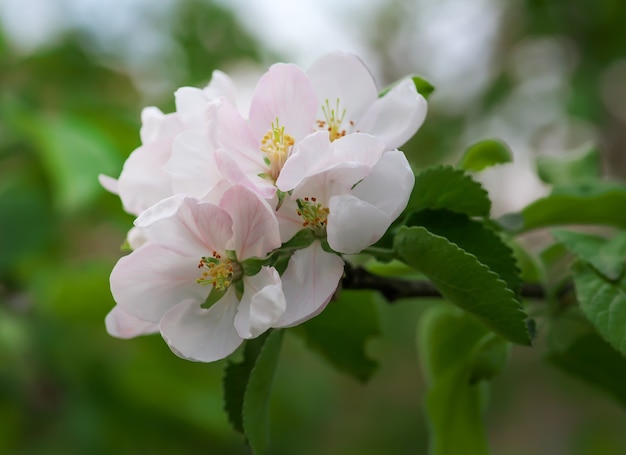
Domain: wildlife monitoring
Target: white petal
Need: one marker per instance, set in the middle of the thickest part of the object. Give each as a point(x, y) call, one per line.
point(343, 77)
point(143, 182)
point(192, 105)
point(358, 148)
point(192, 165)
point(230, 169)
point(389, 185)
point(155, 125)
point(285, 93)
point(262, 303)
point(234, 135)
point(221, 85)
point(255, 228)
point(187, 225)
point(353, 224)
point(395, 117)
point(309, 282)
point(136, 238)
point(121, 324)
point(202, 335)
point(151, 280)
point(311, 154)
point(289, 222)
point(108, 183)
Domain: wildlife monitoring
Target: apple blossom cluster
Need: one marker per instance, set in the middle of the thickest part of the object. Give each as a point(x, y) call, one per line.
point(242, 218)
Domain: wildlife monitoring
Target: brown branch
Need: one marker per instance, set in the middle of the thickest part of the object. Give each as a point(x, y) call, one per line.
point(396, 288)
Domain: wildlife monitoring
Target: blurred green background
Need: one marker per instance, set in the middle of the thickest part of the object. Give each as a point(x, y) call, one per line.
point(546, 76)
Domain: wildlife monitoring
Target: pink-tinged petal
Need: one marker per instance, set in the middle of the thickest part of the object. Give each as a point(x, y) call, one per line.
point(187, 225)
point(358, 148)
point(199, 334)
point(151, 280)
point(155, 125)
point(311, 154)
point(232, 172)
point(338, 179)
point(136, 238)
point(192, 165)
point(192, 106)
point(121, 324)
point(285, 93)
point(309, 282)
point(262, 303)
point(353, 224)
point(389, 185)
point(255, 228)
point(343, 77)
point(289, 222)
point(234, 135)
point(345, 160)
point(108, 183)
point(395, 117)
point(143, 182)
point(221, 85)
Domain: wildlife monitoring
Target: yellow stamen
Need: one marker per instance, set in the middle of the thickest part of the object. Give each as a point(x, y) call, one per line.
point(217, 272)
point(313, 214)
point(276, 144)
point(333, 121)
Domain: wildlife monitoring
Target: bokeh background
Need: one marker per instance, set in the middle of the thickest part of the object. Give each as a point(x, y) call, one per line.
point(547, 76)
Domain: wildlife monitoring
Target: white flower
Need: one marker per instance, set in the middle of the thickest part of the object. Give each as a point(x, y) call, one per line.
point(194, 249)
point(348, 189)
point(144, 181)
point(349, 101)
point(252, 151)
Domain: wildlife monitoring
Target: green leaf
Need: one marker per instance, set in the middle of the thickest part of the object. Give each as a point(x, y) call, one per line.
point(589, 203)
point(585, 165)
point(484, 154)
point(464, 281)
point(422, 86)
point(341, 332)
point(73, 153)
point(604, 304)
point(444, 187)
point(577, 350)
point(456, 354)
point(474, 237)
point(257, 397)
point(236, 376)
point(606, 256)
point(247, 387)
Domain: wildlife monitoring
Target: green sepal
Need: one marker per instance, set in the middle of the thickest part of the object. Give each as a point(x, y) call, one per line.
point(213, 297)
point(252, 266)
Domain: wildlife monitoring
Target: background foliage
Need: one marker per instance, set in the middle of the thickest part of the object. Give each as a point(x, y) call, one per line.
point(69, 110)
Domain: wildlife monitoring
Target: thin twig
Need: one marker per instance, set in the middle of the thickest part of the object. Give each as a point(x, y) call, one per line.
point(396, 288)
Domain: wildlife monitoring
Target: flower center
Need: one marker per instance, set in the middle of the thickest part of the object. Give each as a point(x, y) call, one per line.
point(276, 144)
point(218, 272)
point(315, 216)
point(333, 120)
